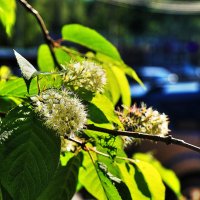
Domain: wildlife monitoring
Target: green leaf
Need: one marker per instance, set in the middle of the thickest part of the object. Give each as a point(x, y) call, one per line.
point(112, 146)
point(111, 170)
point(63, 185)
point(62, 56)
point(65, 157)
point(123, 85)
point(107, 107)
point(17, 88)
point(96, 115)
point(112, 90)
point(168, 176)
point(95, 181)
point(1, 195)
point(109, 62)
point(127, 174)
point(146, 173)
point(29, 154)
point(27, 69)
point(7, 14)
point(6, 104)
point(110, 190)
point(90, 39)
point(131, 72)
point(45, 60)
point(89, 179)
point(4, 194)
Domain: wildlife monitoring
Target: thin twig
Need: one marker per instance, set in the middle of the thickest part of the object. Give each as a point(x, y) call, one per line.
point(48, 39)
point(165, 139)
point(107, 155)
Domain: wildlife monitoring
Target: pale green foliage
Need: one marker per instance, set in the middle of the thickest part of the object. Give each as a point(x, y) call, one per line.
point(45, 60)
point(7, 14)
point(168, 176)
point(89, 38)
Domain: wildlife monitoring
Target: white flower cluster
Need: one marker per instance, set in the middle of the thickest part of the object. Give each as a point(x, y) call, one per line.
point(86, 74)
point(61, 111)
point(143, 120)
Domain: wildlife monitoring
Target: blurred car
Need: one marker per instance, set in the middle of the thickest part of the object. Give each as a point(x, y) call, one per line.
point(157, 75)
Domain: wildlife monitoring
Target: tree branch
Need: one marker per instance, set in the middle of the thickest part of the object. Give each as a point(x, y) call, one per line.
point(165, 139)
point(48, 39)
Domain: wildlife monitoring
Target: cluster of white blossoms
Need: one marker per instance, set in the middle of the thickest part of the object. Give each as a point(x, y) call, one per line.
point(61, 111)
point(143, 120)
point(86, 74)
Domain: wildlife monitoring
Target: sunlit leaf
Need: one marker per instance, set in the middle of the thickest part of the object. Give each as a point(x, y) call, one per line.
point(128, 174)
point(17, 88)
point(131, 72)
point(123, 85)
point(112, 89)
point(168, 176)
point(62, 56)
point(45, 60)
point(95, 180)
point(107, 107)
point(90, 39)
point(89, 179)
point(109, 188)
point(109, 62)
point(7, 14)
point(146, 173)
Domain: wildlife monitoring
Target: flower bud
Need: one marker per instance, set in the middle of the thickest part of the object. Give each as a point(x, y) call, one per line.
point(143, 120)
point(86, 74)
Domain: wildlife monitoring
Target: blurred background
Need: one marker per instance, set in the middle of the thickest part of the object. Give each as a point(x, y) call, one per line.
point(159, 39)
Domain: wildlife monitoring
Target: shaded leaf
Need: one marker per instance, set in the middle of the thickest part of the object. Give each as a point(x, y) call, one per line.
point(90, 39)
point(63, 185)
point(6, 104)
point(29, 154)
point(4, 194)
